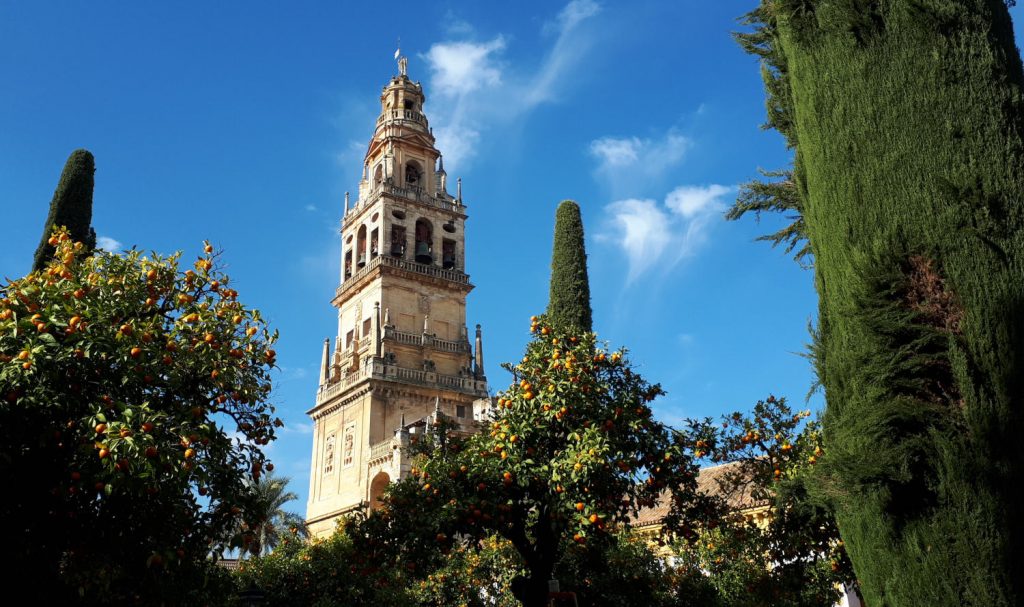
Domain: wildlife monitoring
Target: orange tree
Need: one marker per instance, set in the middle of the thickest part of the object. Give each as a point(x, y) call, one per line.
point(571, 451)
point(794, 556)
point(133, 405)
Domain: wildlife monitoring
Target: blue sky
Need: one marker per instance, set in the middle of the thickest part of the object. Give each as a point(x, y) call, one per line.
point(245, 123)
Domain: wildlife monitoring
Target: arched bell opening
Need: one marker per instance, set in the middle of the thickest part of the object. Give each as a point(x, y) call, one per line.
point(413, 174)
point(424, 242)
point(447, 254)
point(377, 487)
point(378, 174)
point(398, 241)
point(348, 264)
point(361, 246)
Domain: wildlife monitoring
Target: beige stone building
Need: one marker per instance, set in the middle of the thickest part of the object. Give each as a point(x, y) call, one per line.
point(402, 354)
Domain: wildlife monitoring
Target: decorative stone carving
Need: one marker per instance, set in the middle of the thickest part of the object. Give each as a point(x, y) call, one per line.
point(424, 304)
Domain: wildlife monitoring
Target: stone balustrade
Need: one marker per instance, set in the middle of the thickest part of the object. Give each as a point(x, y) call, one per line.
point(377, 369)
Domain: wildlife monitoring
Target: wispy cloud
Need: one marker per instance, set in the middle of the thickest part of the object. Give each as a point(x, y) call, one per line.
point(480, 89)
point(298, 428)
point(109, 244)
point(627, 163)
point(653, 234)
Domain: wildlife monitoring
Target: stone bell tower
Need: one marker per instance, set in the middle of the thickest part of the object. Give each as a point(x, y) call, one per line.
point(402, 355)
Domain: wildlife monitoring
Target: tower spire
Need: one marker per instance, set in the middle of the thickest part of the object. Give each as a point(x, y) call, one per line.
point(479, 347)
point(325, 365)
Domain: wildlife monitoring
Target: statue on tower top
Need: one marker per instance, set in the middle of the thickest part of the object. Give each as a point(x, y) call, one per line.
point(403, 62)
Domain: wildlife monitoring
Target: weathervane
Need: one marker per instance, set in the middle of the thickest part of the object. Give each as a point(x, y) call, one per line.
point(403, 62)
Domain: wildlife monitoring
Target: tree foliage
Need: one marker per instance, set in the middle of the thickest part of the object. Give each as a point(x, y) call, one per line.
point(264, 522)
point(778, 543)
point(569, 301)
point(123, 381)
point(71, 207)
point(911, 134)
point(571, 452)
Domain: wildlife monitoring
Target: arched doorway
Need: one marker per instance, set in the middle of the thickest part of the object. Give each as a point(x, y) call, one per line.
point(377, 486)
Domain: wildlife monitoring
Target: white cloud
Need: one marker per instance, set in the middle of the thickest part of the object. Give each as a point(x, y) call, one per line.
point(109, 244)
point(569, 48)
point(480, 90)
point(653, 234)
point(616, 152)
point(575, 12)
point(689, 201)
point(458, 68)
point(311, 207)
point(627, 163)
point(642, 232)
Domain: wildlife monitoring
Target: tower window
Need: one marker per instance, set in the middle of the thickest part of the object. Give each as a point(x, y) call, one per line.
point(410, 104)
point(348, 264)
point(361, 246)
point(366, 327)
point(373, 243)
point(397, 241)
point(413, 173)
point(460, 410)
point(447, 254)
point(424, 242)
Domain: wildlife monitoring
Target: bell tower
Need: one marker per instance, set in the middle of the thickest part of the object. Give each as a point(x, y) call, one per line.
point(402, 355)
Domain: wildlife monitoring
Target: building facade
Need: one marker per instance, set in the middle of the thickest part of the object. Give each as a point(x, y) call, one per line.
point(402, 355)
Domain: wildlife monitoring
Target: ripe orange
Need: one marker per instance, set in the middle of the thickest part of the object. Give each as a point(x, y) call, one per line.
point(100, 428)
point(579, 506)
point(104, 453)
point(136, 352)
point(190, 453)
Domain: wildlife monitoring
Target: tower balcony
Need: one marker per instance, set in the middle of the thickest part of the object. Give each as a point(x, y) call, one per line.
point(411, 194)
point(402, 116)
point(402, 265)
point(377, 369)
point(425, 340)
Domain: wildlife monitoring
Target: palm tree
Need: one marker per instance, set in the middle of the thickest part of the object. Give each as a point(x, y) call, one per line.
point(264, 522)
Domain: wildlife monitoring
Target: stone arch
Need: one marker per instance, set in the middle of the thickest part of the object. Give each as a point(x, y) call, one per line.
point(413, 173)
point(424, 241)
point(361, 246)
point(379, 483)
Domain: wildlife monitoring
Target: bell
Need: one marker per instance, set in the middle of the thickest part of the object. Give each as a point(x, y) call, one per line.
point(448, 261)
point(362, 260)
point(423, 253)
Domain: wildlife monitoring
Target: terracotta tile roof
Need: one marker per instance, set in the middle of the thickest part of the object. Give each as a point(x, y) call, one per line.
point(709, 481)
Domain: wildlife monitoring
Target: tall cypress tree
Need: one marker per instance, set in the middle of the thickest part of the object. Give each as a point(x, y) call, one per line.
point(569, 302)
point(907, 120)
point(71, 206)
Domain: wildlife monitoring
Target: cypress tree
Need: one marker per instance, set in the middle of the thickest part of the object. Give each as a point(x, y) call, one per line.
point(569, 301)
point(907, 120)
point(71, 206)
